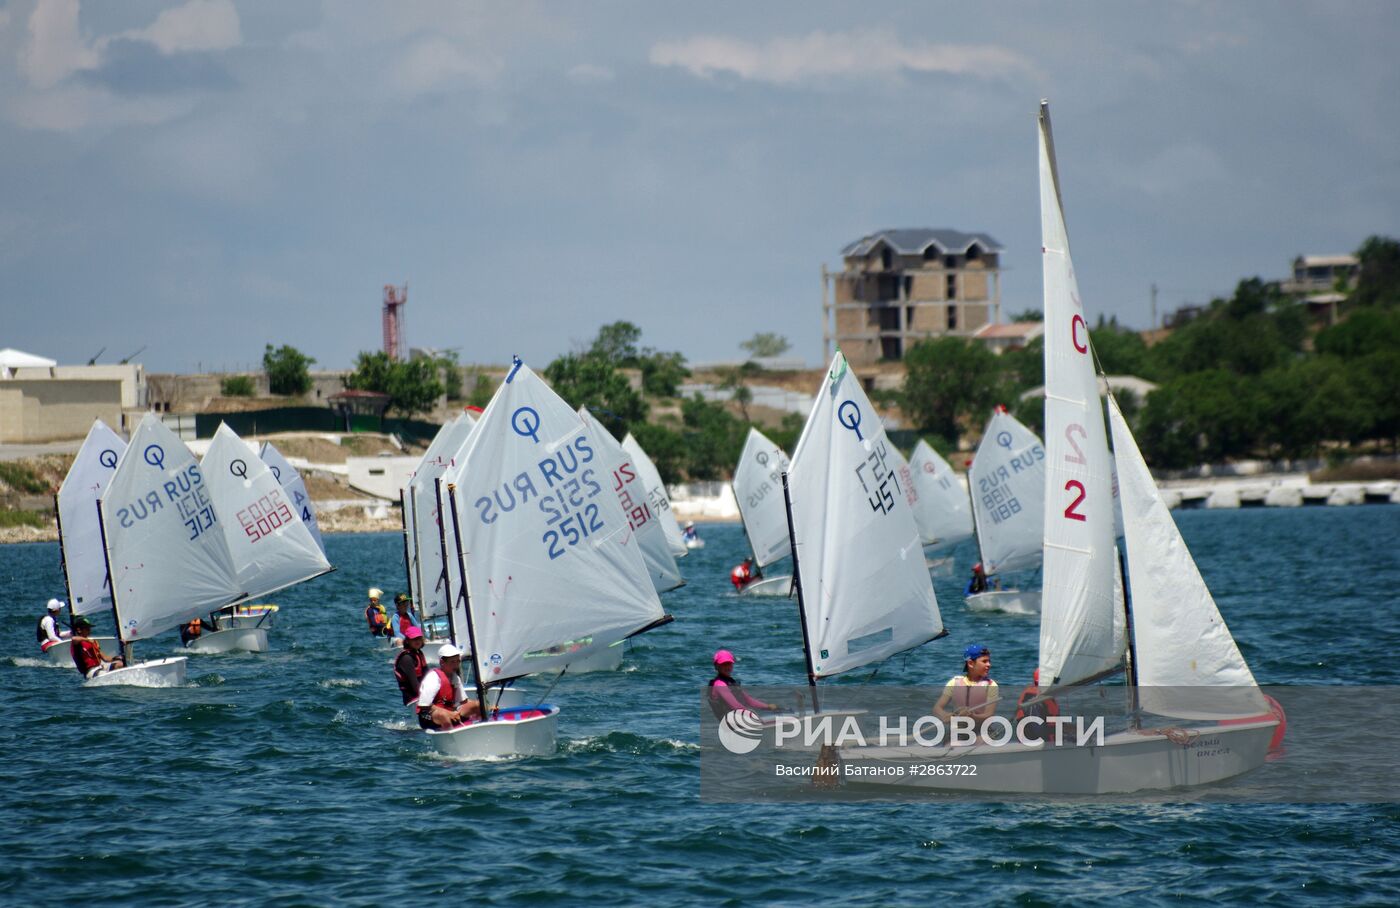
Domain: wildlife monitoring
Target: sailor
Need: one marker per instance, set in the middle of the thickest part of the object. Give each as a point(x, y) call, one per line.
point(1042, 710)
point(725, 694)
point(973, 693)
point(87, 655)
point(190, 632)
point(690, 534)
point(744, 574)
point(978, 582)
point(376, 616)
point(48, 630)
point(410, 666)
point(407, 616)
point(441, 701)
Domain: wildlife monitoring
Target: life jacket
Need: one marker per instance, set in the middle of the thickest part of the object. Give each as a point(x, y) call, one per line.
point(375, 617)
point(1044, 709)
point(196, 627)
point(447, 692)
point(408, 685)
point(44, 641)
point(87, 655)
point(717, 704)
point(979, 691)
point(407, 620)
point(740, 576)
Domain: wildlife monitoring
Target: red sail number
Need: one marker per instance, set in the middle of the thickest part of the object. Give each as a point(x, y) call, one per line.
point(1074, 325)
point(1070, 512)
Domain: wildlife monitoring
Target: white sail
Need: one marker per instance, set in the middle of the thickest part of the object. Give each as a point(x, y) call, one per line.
point(657, 497)
point(81, 536)
point(167, 551)
point(865, 588)
point(270, 546)
point(1181, 639)
point(943, 510)
point(758, 488)
point(554, 573)
point(1007, 480)
point(291, 481)
point(421, 512)
point(1077, 603)
point(623, 478)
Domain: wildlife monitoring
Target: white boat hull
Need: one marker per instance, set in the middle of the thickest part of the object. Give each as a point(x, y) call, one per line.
point(607, 660)
point(1013, 602)
point(1128, 761)
point(695, 543)
point(237, 639)
point(156, 673)
point(248, 616)
point(508, 735)
point(769, 586)
point(62, 653)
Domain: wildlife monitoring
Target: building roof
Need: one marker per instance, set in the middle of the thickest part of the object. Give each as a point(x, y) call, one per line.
point(915, 240)
point(11, 358)
point(1322, 261)
point(1025, 331)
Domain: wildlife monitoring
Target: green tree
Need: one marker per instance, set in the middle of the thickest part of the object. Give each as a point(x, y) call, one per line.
point(1378, 280)
point(1203, 417)
point(1028, 315)
point(451, 370)
point(617, 343)
point(766, 344)
point(288, 370)
point(1119, 351)
point(587, 380)
point(237, 386)
point(1361, 333)
point(413, 387)
point(713, 438)
point(734, 380)
point(481, 389)
point(662, 373)
point(666, 448)
point(950, 381)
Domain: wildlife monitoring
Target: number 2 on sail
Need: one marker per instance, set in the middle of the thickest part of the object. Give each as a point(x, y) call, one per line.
point(1070, 512)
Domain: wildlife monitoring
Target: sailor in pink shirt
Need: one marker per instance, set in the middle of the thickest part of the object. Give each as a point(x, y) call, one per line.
point(725, 694)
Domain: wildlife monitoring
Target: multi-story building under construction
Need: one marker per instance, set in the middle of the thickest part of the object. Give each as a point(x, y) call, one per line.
point(899, 287)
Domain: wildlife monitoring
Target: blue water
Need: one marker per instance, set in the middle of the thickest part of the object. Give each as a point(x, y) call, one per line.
point(294, 777)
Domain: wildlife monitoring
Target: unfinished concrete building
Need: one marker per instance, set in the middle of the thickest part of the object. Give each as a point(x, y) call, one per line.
point(899, 287)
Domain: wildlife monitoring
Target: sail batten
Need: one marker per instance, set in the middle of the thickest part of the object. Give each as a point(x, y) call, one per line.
point(865, 587)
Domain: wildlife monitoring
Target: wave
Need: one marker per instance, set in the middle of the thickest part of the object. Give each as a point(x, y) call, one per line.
point(30, 662)
point(340, 682)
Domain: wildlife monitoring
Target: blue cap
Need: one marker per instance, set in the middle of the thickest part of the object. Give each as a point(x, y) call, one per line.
point(975, 650)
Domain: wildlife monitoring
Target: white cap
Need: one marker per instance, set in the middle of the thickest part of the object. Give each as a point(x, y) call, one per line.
point(448, 651)
point(376, 593)
point(55, 605)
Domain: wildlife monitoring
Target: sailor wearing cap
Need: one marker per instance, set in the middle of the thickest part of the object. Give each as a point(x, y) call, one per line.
point(441, 700)
point(973, 693)
point(48, 631)
point(376, 616)
point(725, 694)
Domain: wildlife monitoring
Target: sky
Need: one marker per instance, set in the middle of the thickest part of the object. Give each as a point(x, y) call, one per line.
point(197, 179)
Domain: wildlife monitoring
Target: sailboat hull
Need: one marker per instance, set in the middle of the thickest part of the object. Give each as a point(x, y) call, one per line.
point(62, 653)
point(519, 732)
point(769, 586)
point(248, 616)
point(237, 639)
point(607, 660)
point(1128, 761)
point(156, 673)
point(1013, 602)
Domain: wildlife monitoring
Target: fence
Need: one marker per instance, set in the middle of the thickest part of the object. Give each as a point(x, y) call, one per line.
point(311, 419)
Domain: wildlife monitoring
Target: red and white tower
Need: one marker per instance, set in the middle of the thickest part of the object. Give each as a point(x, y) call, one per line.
point(395, 298)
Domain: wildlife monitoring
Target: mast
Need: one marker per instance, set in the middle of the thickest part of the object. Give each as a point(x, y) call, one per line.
point(801, 605)
point(446, 576)
point(107, 559)
point(407, 563)
point(471, 631)
point(63, 560)
point(1132, 644)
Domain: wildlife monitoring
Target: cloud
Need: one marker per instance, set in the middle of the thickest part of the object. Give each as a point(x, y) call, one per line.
point(199, 25)
point(434, 63)
point(55, 49)
point(821, 55)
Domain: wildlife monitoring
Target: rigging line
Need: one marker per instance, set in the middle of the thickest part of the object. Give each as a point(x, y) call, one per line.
point(547, 689)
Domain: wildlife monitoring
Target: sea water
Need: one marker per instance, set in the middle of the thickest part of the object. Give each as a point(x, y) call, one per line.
point(296, 777)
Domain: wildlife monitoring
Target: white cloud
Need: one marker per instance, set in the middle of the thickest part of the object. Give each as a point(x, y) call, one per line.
point(434, 63)
point(199, 25)
point(790, 60)
point(55, 49)
point(590, 74)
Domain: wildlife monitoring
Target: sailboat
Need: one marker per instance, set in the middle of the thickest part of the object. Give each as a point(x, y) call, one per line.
point(165, 551)
point(270, 545)
point(552, 571)
point(1007, 480)
point(1182, 663)
point(623, 478)
point(424, 558)
point(657, 497)
point(942, 508)
point(863, 592)
point(79, 535)
point(758, 490)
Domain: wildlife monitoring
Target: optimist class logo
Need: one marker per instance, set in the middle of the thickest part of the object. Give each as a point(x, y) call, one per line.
point(740, 731)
